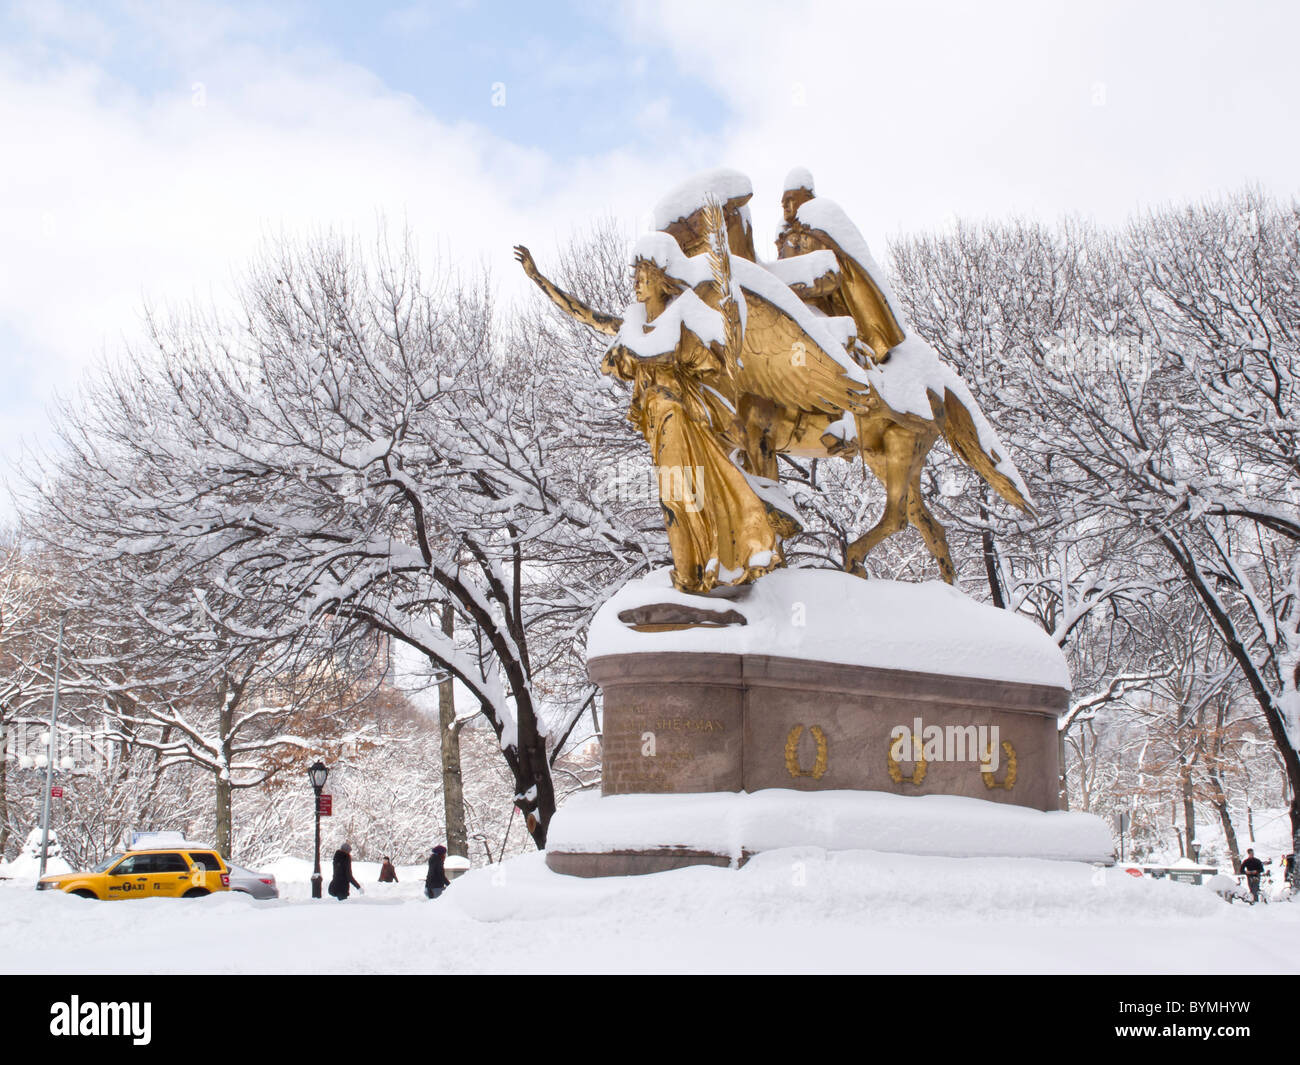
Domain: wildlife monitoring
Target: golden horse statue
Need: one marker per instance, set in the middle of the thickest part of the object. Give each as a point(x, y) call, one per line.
point(734, 363)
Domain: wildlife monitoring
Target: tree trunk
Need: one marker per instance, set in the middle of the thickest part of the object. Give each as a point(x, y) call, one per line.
point(223, 816)
point(1295, 824)
point(1218, 795)
point(453, 788)
point(227, 716)
point(148, 819)
point(1229, 833)
point(1269, 703)
point(536, 798)
point(1080, 744)
point(1189, 817)
point(4, 800)
point(1064, 780)
point(990, 553)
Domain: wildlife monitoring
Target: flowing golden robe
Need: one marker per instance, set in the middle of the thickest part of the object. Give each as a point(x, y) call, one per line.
point(683, 404)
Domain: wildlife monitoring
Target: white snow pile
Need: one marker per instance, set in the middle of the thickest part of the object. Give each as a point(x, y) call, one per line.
point(799, 177)
point(722, 184)
point(734, 823)
point(806, 269)
point(167, 838)
point(687, 311)
point(665, 253)
point(26, 866)
point(794, 910)
point(830, 616)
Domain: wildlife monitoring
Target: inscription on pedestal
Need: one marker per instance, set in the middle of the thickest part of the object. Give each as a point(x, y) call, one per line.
point(681, 737)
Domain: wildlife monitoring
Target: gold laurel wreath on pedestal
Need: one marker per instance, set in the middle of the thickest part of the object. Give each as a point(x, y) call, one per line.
point(918, 770)
point(792, 753)
point(1009, 781)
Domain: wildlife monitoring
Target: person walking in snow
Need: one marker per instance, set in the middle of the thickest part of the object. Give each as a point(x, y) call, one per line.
point(437, 880)
point(343, 878)
point(1254, 869)
point(387, 872)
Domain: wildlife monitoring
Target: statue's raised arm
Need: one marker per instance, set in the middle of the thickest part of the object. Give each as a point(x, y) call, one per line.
point(608, 324)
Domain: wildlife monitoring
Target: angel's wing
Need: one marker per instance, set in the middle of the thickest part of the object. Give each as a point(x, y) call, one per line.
point(796, 363)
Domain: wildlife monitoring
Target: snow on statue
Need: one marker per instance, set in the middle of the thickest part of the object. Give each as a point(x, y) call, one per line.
point(734, 362)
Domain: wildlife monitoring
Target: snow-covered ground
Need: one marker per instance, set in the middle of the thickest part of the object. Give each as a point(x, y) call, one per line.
point(793, 910)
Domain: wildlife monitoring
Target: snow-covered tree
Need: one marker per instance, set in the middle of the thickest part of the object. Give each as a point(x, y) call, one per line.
point(1148, 384)
point(357, 451)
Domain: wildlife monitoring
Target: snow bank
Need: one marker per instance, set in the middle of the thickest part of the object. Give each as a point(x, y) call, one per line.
point(27, 868)
point(829, 616)
point(796, 910)
point(731, 823)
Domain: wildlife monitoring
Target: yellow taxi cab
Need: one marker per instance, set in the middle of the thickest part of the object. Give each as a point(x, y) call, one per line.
point(185, 872)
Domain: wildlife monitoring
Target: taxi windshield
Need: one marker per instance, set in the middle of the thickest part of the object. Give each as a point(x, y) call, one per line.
point(103, 866)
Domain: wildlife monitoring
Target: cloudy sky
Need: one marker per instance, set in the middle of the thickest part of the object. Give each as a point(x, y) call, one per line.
point(147, 150)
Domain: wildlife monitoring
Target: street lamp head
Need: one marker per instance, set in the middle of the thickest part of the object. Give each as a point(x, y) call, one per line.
point(318, 774)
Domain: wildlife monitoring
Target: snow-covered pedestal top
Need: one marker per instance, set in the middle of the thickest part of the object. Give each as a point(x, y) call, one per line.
point(829, 616)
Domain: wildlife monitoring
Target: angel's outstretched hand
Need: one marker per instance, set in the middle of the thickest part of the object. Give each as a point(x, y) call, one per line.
point(525, 259)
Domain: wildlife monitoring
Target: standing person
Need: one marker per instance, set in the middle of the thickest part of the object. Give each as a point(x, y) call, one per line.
point(1254, 869)
point(343, 878)
point(437, 878)
point(387, 873)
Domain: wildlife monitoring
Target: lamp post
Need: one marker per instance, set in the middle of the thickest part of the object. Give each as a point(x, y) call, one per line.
point(317, 774)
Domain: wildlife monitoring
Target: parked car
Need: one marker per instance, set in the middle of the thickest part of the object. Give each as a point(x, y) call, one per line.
point(259, 885)
point(186, 872)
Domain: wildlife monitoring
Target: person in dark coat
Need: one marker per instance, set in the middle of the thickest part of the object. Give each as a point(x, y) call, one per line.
point(343, 877)
point(1254, 869)
point(387, 872)
point(437, 878)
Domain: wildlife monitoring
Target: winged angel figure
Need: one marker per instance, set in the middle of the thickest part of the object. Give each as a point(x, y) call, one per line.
point(733, 363)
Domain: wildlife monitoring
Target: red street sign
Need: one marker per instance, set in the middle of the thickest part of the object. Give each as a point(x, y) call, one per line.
point(327, 805)
point(56, 792)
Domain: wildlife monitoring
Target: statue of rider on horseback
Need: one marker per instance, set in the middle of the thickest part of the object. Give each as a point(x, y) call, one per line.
point(735, 362)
